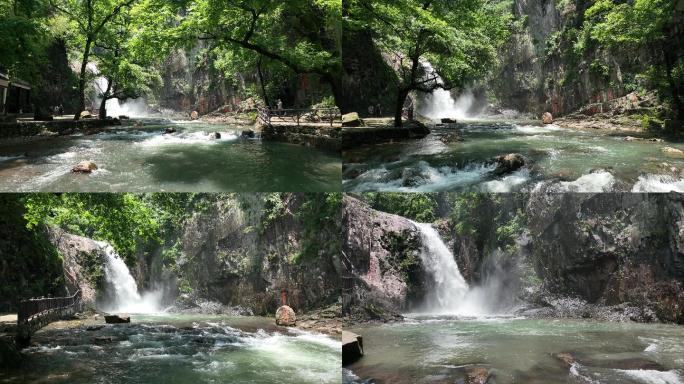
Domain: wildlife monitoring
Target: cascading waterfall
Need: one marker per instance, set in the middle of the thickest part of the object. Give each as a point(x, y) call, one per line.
point(450, 294)
point(123, 294)
point(440, 104)
point(132, 108)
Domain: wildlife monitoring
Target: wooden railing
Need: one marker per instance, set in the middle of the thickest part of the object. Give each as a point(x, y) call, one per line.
point(268, 116)
point(30, 309)
point(36, 313)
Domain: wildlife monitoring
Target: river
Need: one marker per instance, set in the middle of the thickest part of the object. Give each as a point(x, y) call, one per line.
point(558, 159)
point(169, 349)
point(143, 159)
point(517, 350)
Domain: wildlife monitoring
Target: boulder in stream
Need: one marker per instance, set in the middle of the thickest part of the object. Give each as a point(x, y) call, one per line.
point(117, 319)
point(547, 118)
point(194, 115)
point(508, 163)
point(448, 120)
point(86, 115)
point(215, 135)
point(84, 167)
point(169, 130)
point(285, 316)
point(247, 134)
point(352, 347)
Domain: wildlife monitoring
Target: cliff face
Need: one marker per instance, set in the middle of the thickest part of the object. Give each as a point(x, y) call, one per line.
point(612, 248)
point(229, 258)
point(381, 258)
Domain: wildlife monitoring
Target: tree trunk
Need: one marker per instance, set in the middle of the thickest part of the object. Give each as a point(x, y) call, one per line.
point(399, 107)
point(82, 79)
point(103, 103)
point(261, 80)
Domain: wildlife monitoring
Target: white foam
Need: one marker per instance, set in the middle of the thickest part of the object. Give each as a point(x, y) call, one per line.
point(602, 181)
point(8, 158)
point(509, 183)
point(200, 137)
point(654, 377)
point(536, 129)
point(658, 183)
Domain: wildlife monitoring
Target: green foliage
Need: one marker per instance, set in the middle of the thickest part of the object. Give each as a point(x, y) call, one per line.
point(320, 215)
point(30, 265)
point(420, 207)
point(459, 38)
point(123, 220)
point(274, 208)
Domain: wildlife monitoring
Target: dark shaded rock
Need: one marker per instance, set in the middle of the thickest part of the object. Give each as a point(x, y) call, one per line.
point(103, 339)
point(248, 133)
point(352, 347)
point(168, 130)
point(452, 137)
point(508, 163)
point(117, 319)
point(123, 117)
point(95, 328)
point(215, 135)
point(449, 121)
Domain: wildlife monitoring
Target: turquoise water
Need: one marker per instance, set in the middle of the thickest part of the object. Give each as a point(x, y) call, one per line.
point(561, 160)
point(519, 351)
point(180, 349)
point(142, 159)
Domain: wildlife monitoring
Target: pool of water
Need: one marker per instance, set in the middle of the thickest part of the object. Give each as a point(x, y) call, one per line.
point(180, 349)
point(514, 350)
point(560, 160)
point(143, 159)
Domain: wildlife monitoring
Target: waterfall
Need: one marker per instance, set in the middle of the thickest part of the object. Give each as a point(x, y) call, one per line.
point(450, 293)
point(115, 108)
point(440, 104)
point(123, 295)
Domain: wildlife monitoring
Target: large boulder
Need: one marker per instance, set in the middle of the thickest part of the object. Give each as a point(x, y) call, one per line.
point(169, 130)
point(285, 316)
point(508, 163)
point(352, 120)
point(117, 319)
point(84, 167)
point(194, 115)
point(352, 347)
point(215, 135)
point(547, 118)
point(86, 115)
point(247, 134)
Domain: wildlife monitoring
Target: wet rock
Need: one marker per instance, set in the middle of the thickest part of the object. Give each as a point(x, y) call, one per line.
point(633, 363)
point(123, 117)
point(352, 347)
point(353, 173)
point(103, 339)
point(248, 133)
point(508, 163)
point(449, 121)
point(547, 118)
point(411, 177)
point(215, 135)
point(452, 137)
point(670, 151)
point(194, 115)
point(477, 375)
point(285, 316)
point(567, 359)
point(86, 115)
point(84, 167)
point(169, 130)
point(95, 328)
point(117, 319)
point(352, 120)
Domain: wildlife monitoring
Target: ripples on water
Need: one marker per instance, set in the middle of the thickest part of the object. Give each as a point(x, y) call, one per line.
point(427, 349)
point(197, 352)
point(559, 160)
point(144, 159)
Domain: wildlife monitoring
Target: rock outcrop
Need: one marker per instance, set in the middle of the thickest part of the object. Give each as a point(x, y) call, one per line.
point(381, 262)
point(612, 249)
point(84, 167)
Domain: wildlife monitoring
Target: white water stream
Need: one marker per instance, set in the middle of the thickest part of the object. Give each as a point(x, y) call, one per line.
point(440, 104)
point(125, 297)
point(450, 294)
